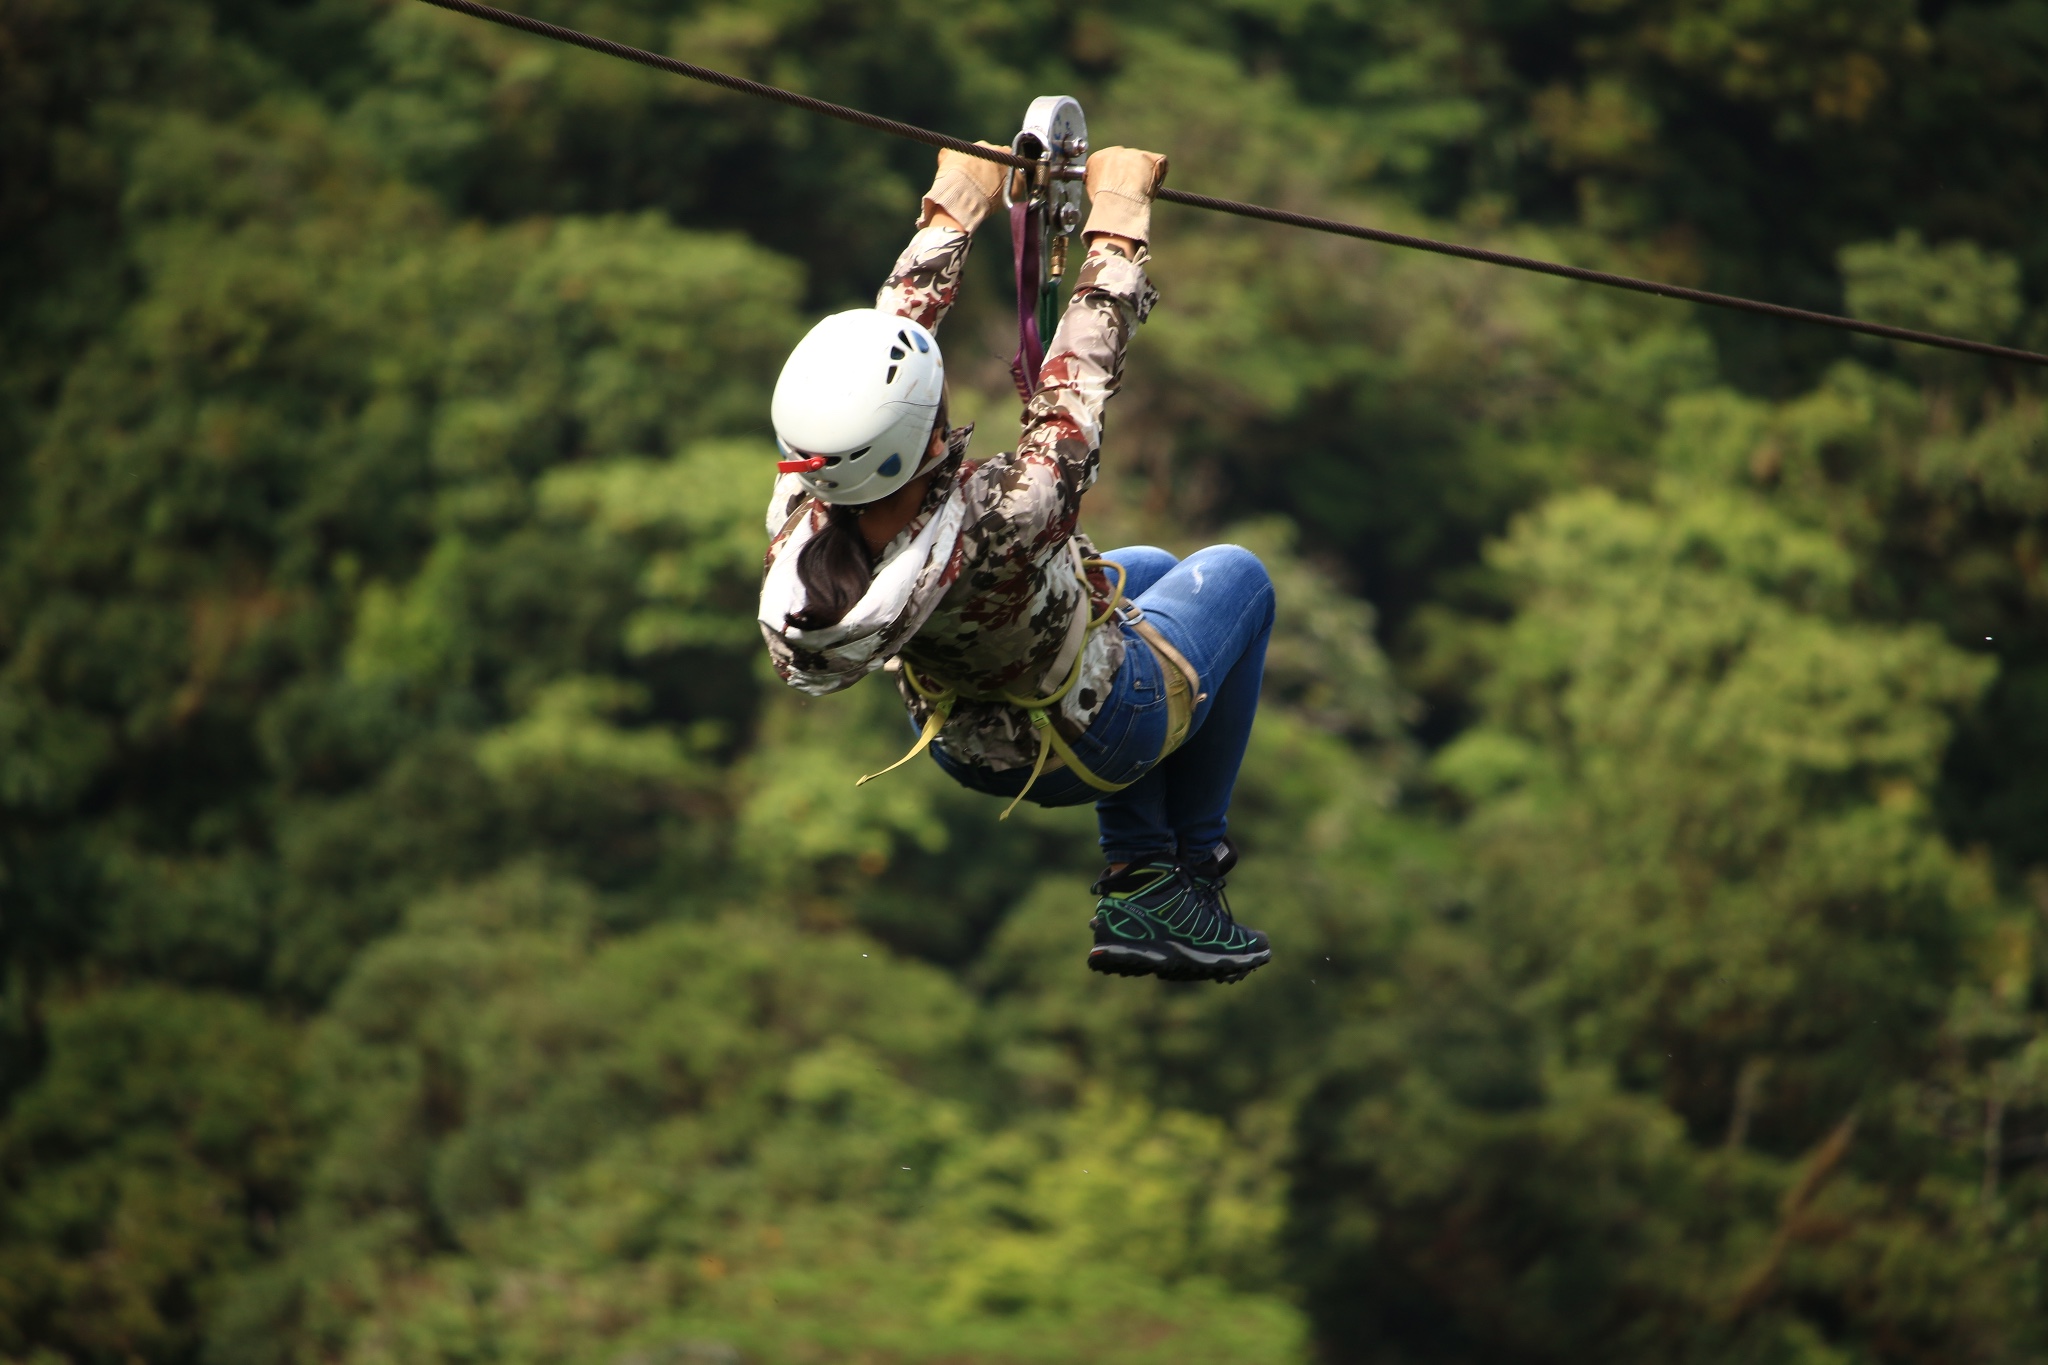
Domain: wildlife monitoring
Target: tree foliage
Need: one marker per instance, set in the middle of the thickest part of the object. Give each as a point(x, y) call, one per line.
point(431, 934)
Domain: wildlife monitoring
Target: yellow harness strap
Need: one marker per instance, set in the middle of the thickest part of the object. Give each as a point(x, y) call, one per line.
point(1050, 740)
point(941, 707)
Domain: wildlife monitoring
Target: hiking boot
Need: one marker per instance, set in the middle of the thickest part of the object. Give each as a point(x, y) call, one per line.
point(1159, 919)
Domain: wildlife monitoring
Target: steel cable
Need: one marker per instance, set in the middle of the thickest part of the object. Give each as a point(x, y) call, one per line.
point(862, 119)
point(810, 104)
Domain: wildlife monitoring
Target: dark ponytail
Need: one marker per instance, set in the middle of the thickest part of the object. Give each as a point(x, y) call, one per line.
point(834, 566)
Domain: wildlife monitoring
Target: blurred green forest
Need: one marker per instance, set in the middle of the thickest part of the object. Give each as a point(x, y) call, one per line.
point(430, 933)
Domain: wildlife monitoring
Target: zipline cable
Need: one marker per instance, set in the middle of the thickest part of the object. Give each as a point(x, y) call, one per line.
point(862, 119)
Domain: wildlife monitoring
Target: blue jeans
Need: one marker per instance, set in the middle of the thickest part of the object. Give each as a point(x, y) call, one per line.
point(1216, 608)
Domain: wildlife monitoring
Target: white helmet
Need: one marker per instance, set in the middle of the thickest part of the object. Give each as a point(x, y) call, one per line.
point(854, 407)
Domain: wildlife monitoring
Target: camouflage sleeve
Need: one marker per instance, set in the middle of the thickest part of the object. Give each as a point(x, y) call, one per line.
point(1084, 365)
point(926, 279)
point(1027, 503)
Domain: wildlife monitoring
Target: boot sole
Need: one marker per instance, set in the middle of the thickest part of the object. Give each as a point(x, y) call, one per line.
point(1173, 962)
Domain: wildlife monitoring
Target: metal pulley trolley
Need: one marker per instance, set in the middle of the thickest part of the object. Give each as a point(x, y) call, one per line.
point(1044, 200)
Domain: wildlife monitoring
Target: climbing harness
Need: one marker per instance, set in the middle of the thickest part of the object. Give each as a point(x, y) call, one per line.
point(1045, 212)
point(1167, 194)
point(1182, 692)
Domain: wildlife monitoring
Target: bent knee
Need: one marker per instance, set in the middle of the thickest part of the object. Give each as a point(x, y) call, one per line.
point(1246, 574)
point(1236, 561)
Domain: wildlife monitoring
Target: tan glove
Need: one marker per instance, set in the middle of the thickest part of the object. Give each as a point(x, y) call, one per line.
point(966, 187)
point(1121, 183)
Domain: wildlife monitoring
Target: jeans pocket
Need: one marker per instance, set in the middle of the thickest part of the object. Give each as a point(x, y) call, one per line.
point(1128, 732)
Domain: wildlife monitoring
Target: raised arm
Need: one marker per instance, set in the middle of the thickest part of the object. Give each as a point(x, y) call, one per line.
point(926, 279)
point(1084, 364)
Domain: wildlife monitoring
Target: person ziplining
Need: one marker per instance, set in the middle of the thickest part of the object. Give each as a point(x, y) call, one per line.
point(1034, 668)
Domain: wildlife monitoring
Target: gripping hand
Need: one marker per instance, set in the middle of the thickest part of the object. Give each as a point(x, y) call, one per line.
point(966, 187)
point(1121, 183)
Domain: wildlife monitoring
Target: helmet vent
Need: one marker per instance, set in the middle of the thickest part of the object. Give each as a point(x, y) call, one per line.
point(896, 353)
point(890, 467)
point(923, 347)
point(890, 378)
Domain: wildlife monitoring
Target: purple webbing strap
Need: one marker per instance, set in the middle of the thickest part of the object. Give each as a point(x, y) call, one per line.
point(1024, 247)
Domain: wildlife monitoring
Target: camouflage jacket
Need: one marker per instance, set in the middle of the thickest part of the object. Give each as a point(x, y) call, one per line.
point(1010, 592)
